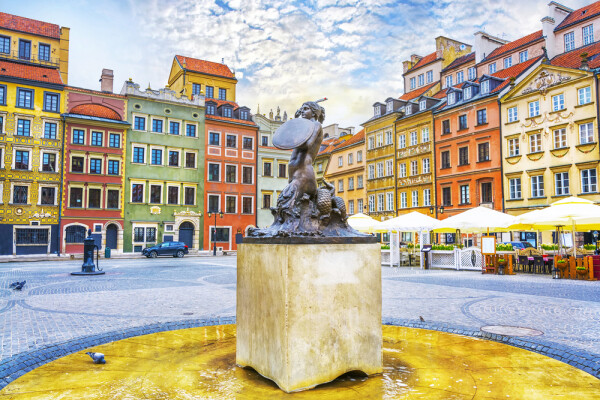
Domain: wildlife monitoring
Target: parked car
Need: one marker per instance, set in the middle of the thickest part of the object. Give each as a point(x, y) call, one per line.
point(175, 249)
point(519, 245)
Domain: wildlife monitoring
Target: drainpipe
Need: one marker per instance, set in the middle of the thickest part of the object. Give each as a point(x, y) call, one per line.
point(501, 156)
point(595, 71)
point(433, 156)
point(395, 172)
point(62, 174)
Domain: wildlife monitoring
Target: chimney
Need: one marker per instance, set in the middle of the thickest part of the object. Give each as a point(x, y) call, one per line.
point(556, 14)
point(106, 80)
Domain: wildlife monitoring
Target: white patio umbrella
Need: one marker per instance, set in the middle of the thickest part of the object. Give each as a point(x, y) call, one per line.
point(412, 222)
point(364, 223)
point(476, 220)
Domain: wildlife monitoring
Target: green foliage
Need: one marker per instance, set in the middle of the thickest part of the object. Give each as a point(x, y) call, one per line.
point(412, 246)
point(561, 261)
point(589, 247)
point(504, 247)
point(442, 247)
point(385, 247)
point(549, 246)
point(581, 269)
point(501, 260)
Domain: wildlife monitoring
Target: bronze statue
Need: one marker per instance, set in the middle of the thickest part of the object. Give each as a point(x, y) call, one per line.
point(303, 209)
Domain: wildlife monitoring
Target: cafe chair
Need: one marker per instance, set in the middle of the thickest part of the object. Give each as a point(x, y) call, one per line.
point(538, 264)
point(523, 263)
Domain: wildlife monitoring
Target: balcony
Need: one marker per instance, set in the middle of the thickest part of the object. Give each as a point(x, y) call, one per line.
point(14, 56)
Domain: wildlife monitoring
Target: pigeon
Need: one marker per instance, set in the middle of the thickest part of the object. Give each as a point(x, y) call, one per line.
point(97, 357)
point(19, 285)
point(422, 319)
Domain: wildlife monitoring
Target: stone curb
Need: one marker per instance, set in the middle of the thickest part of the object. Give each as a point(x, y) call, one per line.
point(18, 365)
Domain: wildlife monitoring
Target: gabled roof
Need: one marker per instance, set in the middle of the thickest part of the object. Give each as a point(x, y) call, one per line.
point(355, 139)
point(205, 67)
point(428, 59)
point(95, 110)
point(515, 44)
point(30, 72)
point(331, 143)
point(572, 59)
point(582, 14)
point(417, 92)
point(27, 25)
point(222, 102)
point(460, 61)
point(516, 69)
point(91, 91)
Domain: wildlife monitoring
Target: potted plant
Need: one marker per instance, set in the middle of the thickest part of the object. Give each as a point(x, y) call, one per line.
point(581, 270)
point(561, 264)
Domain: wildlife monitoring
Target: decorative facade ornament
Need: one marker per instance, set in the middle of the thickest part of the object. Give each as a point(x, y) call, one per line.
point(155, 210)
point(187, 213)
point(545, 81)
point(40, 214)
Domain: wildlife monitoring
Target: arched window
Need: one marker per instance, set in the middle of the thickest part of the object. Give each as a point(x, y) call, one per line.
point(75, 234)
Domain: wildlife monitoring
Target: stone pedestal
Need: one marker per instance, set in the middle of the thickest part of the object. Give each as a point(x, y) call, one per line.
point(308, 313)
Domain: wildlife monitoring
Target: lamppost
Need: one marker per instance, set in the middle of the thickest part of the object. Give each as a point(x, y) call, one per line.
point(596, 241)
point(435, 209)
point(210, 214)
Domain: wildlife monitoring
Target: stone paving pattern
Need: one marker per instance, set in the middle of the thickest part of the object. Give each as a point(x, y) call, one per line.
point(58, 314)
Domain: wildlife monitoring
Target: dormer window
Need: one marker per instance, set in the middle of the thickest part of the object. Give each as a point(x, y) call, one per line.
point(451, 98)
point(390, 107)
point(408, 109)
point(467, 93)
point(243, 114)
point(422, 105)
point(377, 111)
point(485, 87)
point(210, 109)
point(227, 112)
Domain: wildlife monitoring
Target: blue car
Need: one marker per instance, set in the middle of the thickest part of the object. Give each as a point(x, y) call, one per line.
point(519, 245)
point(174, 249)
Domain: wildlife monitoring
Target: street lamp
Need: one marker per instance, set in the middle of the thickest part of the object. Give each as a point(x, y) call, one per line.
point(596, 241)
point(435, 208)
point(210, 214)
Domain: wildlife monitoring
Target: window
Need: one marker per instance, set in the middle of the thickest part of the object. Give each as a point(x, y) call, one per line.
point(114, 140)
point(266, 201)
point(75, 234)
point(150, 234)
point(95, 166)
point(537, 186)
point(351, 183)
point(96, 138)
point(448, 81)
point(425, 135)
point(561, 183)
point(508, 62)
point(138, 155)
point(481, 117)
point(230, 204)
point(445, 127)
point(467, 93)
point(76, 164)
point(426, 166)
point(402, 171)
point(51, 102)
point(210, 92)
point(214, 139)
point(47, 195)
point(138, 234)
point(4, 44)
point(421, 79)
point(569, 41)
point(462, 122)
point(558, 102)
point(463, 156)
point(460, 77)
point(210, 109)
point(244, 114)
point(523, 56)
point(196, 88)
point(377, 111)
point(247, 175)
point(340, 161)
point(401, 141)
point(535, 142)
point(76, 197)
point(451, 98)
point(267, 169)
point(485, 87)
point(20, 194)
point(588, 34)
point(422, 105)
point(24, 98)
point(247, 205)
point(156, 158)
point(403, 202)
point(359, 181)
point(379, 169)
point(588, 181)
point(429, 76)
point(341, 185)
point(464, 194)
point(227, 112)
point(155, 194)
point(231, 141)
point(230, 173)
point(350, 207)
point(445, 159)
point(534, 108)
point(2, 93)
point(584, 95)
point(157, 125)
point(48, 162)
point(380, 202)
point(560, 138)
point(426, 197)
point(359, 205)
point(264, 141)
point(213, 203)
point(1, 125)
point(371, 171)
point(514, 186)
point(350, 158)
point(214, 172)
point(371, 142)
point(413, 83)
point(112, 199)
point(190, 130)
point(113, 167)
point(371, 203)
point(23, 127)
point(174, 128)
point(513, 114)
point(513, 147)
point(414, 168)
point(173, 158)
point(22, 160)
point(492, 68)
point(388, 137)
point(24, 49)
point(472, 73)
point(139, 123)
point(190, 160)
point(389, 167)
point(389, 197)
point(189, 196)
point(586, 133)
point(49, 130)
point(446, 196)
point(173, 194)
point(414, 139)
point(282, 170)
point(222, 94)
point(247, 143)
point(379, 139)
point(483, 152)
point(94, 196)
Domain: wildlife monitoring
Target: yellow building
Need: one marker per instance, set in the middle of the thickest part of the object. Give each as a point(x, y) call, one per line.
point(191, 76)
point(346, 170)
point(550, 134)
point(323, 158)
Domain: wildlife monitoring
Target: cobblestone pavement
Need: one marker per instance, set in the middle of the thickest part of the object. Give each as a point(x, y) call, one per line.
point(56, 313)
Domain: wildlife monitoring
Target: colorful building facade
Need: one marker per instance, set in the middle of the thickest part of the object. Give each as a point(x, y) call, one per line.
point(193, 77)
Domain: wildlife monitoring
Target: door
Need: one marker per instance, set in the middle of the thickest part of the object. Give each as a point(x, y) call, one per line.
point(165, 249)
point(186, 234)
point(111, 236)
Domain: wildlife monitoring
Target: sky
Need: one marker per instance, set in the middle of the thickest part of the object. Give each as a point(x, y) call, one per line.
point(283, 52)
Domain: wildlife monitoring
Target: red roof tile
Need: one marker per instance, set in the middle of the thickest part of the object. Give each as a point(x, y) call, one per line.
point(572, 59)
point(460, 61)
point(516, 69)
point(424, 61)
point(582, 14)
point(226, 119)
point(441, 94)
point(95, 110)
point(22, 24)
point(515, 44)
point(30, 72)
point(355, 139)
point(205, 67)
point(221, 102)
point(99, 92)
point(417, 92)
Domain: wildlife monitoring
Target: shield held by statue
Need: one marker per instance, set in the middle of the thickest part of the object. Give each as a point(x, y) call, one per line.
point(293, 133)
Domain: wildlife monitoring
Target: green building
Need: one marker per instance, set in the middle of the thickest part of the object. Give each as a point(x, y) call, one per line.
point(164, 168)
